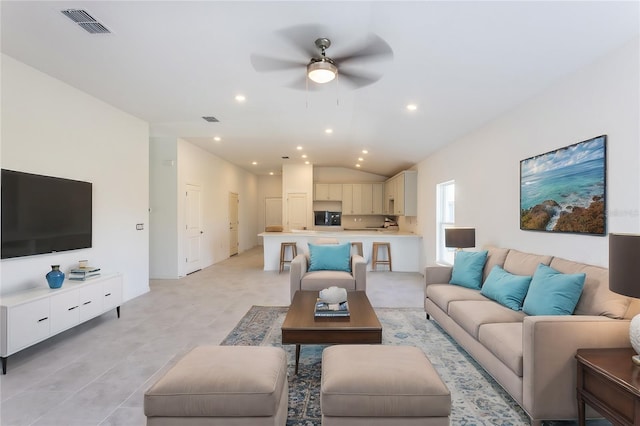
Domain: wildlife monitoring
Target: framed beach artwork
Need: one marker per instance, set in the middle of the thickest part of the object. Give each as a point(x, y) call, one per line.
point(565, 190)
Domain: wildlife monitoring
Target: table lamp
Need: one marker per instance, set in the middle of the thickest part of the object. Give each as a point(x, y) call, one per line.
point(624, 277)
point(459, 238)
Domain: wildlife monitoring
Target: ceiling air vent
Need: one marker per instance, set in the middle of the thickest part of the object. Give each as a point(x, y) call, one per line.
point(86, 21)
point(211, 119)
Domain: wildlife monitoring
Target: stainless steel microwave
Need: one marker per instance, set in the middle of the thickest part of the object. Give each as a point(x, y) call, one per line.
point(327, 218)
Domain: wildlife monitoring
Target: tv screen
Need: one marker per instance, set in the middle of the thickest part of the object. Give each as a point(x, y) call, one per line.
point(44, 214)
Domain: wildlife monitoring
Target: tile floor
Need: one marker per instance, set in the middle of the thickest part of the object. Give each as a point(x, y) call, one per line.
point(96, 373)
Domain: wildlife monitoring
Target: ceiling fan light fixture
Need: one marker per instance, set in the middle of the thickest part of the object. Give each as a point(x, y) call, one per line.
point(321, 71)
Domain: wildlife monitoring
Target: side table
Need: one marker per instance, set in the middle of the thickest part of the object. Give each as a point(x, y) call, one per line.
point(609, 382)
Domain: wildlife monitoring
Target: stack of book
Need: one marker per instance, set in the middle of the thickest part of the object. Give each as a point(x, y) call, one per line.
point(83, 273)
point(324, 309)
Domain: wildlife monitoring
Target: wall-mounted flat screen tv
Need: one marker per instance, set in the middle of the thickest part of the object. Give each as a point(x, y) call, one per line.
point(44, 214)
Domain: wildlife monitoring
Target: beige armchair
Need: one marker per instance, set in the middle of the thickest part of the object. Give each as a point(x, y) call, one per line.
point(301, 279)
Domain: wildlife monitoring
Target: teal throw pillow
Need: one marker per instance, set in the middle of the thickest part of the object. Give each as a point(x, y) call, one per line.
point(552, 292)
point(505, 288)
point(332, 257)
point(467, 269)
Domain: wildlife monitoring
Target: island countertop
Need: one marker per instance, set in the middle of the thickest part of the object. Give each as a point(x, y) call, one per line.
point(405, 246)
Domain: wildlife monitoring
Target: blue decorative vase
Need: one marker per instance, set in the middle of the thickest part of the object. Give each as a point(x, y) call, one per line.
point(55, 277)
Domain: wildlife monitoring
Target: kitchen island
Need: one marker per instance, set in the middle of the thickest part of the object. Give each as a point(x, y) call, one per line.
point(405, 246)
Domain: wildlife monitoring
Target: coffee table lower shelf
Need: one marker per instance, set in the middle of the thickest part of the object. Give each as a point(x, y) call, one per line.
point(300, 327)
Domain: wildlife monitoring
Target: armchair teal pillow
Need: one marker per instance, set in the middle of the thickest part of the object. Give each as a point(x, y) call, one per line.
point(332, 257)
point(467, 269)
point(552, 292)
point(505, 288)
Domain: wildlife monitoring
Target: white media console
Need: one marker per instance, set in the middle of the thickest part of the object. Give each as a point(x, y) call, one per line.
point(33, 315)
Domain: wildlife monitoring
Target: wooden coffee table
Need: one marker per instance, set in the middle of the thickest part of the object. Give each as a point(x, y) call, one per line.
point(300, 327)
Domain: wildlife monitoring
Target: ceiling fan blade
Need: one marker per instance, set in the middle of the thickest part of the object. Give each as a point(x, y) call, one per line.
point(303, 83)
point(302, 37)
point(267, 63)
point(357, 79)
point(375, 47)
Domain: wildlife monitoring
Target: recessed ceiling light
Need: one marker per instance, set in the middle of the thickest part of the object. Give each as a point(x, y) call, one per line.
point(240, 98)
point(357, 165)
point(299, 148)
point(217, 138)
point(306, 162)
point(360, 159)
point(364, 151)
point(304, 155)
point(271, 173)
point(412, 107)
point(328, 131)
point(254, 163)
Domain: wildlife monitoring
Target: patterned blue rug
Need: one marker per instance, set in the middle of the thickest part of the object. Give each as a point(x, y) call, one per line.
point(476, 398)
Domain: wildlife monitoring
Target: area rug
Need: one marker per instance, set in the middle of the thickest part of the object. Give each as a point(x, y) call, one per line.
point(476, 398)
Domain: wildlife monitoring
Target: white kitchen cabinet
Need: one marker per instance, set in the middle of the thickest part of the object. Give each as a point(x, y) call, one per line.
point(33, 315)
point(377, 190)
point(328, 192)
point(347, 198)
point(401, 194)
point(357, 198)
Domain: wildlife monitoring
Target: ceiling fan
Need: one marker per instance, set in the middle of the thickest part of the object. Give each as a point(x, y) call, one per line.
point(321, 68)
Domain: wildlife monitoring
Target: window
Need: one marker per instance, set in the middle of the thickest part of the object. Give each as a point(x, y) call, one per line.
point(445, 218)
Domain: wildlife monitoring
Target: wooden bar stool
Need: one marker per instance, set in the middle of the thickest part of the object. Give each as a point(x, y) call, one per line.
point(283, 250)
point(374, 259)
point(358, 246)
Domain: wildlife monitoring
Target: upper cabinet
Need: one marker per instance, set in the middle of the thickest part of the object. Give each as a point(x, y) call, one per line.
point(362, 198)
point(328, 192)
point(401, 194)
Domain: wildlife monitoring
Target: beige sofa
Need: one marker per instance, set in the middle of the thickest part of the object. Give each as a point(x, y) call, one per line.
point(301, 279)
point(531, 357)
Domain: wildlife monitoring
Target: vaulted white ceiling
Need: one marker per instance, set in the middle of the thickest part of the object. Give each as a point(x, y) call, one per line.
point(172, 62)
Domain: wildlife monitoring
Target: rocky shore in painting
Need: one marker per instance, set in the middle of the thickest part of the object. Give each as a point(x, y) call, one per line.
point(570, 219)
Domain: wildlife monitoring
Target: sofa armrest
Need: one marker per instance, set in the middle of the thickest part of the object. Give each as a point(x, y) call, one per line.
point(297, 269)
point(436, 274)
point(359, 271)
point(549, 365)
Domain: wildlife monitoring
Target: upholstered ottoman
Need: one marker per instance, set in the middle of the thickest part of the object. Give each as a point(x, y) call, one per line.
point(222, 385)
point(381, 385)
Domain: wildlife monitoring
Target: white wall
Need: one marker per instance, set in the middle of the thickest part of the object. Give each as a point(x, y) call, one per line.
point(603, 98)
point(51, 128)
point(163, 206)
point(268, 187)
point(216, 178)
point(297, 178)
point(344, 175)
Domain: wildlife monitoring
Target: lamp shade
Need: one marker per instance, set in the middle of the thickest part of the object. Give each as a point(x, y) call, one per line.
point(322, 71)
point(460, 237)
point(624, 264)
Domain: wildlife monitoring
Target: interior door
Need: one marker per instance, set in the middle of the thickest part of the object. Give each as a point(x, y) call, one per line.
point(233, 223)
point(297, 210)
point(193, 215)
point(272, 211)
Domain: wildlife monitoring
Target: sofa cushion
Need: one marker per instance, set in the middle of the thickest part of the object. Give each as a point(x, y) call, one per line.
point(507, 289)
point(596, 298)
point(467, 268)
point(504, 340)
point(319, 280)
point(332, 257)
point(495, 256)
point(520, 263)
point(471, 314)
point(552, 292)
point(442, 294)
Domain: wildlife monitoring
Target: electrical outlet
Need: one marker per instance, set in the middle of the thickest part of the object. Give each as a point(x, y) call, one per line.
point(139, 226)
